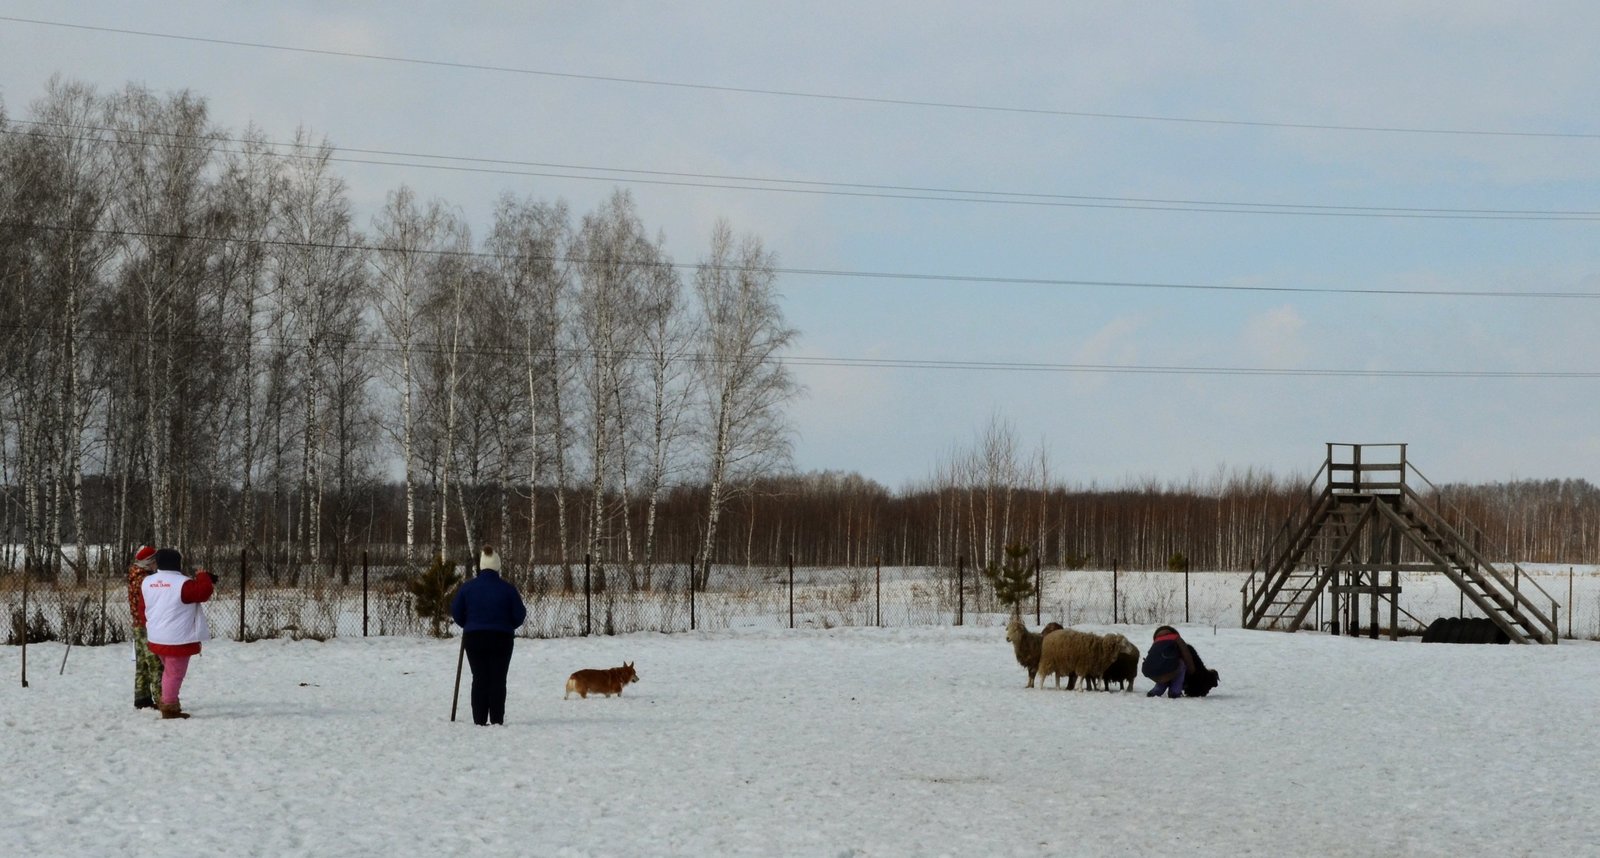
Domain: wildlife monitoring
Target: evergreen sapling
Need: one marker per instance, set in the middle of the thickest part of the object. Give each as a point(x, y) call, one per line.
point(1012, 580)
point(430, 594)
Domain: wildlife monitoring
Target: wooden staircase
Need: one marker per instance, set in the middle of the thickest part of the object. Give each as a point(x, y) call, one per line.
point(1364, 515)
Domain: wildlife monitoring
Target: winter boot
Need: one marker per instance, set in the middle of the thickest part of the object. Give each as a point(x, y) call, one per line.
point(143, 703)
point(172, 710)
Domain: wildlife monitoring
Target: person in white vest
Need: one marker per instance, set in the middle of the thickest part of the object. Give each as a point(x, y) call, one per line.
point(175, 622)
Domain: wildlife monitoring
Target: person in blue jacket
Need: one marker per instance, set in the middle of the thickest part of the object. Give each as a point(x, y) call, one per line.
point(1167, 662)
point(489, 611)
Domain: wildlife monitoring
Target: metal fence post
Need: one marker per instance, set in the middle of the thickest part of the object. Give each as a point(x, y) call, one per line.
point(691, 593)
point(1569, 601)
point(961, 589)
point(27, 573)
point(1038, 592)
point(877, 563)
point(244, 578)
point(791, 591)
point(588, 598)
point(364, 609)
point(1186, 589)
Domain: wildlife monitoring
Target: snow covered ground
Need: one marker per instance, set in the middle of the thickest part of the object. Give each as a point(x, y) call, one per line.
point(846, 741)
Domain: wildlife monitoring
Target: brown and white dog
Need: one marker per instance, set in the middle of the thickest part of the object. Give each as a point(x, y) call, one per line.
point(607, 682)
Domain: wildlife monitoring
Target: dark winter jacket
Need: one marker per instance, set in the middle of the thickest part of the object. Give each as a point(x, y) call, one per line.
point(1165, 654)
point(488, 603)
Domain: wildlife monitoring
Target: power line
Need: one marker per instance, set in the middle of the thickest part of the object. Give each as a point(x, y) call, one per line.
point(849, 189)
point(808, 272)
point(788, 93)
point(385, 346)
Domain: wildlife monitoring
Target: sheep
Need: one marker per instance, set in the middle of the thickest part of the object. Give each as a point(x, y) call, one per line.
point(1125, 668)
point(1071, 653)
point(1026, 645)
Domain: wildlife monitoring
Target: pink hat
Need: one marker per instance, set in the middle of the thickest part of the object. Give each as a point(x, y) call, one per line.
point(145, 556)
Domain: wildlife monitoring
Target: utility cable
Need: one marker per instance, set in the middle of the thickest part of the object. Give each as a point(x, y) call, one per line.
point(333, 342)
point(821, 96)
point(792, 271)
point(887, 191)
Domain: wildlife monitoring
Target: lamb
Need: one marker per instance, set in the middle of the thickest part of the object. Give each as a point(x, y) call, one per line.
point(1071, 653)
point(1125, 668)
point(1026, 645)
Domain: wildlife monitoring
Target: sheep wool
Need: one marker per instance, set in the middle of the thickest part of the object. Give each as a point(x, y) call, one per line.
point(1073, 654)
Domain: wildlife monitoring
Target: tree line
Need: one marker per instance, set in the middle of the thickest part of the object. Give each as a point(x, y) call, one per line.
point(203, 346)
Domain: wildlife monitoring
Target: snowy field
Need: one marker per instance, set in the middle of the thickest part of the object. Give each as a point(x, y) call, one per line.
point(826, 742)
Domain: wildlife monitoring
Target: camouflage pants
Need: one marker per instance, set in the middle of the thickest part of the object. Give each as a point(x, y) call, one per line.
point(146, 668)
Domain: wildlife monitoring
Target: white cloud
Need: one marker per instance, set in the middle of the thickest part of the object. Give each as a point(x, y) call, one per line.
point(1276, 338)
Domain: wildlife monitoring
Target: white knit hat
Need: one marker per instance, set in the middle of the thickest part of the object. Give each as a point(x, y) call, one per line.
point(489, 559)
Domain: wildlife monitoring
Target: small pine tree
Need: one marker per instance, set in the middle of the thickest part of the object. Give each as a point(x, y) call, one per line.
point(1177, 562)
point(1013, 579)
point(430, 592)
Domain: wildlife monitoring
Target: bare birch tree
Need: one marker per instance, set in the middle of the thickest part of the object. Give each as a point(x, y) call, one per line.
point(613, 264)
point(406, 237)
point(163, 152)
point(530, 244)
point(321, 278)
point(666, 338)
point(743, 384)
point(249, 193)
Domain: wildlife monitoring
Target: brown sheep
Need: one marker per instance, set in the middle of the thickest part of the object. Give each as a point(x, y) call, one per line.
point(1071, 653)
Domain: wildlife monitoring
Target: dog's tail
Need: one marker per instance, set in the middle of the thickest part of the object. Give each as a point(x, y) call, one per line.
point(572, 685)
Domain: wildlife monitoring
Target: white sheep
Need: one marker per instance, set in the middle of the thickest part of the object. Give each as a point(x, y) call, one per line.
point(1026, 646)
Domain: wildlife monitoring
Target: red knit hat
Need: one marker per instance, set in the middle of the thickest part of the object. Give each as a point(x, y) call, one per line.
point(145, 556)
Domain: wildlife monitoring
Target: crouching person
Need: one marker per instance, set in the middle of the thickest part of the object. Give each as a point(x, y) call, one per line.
point(175, 622)
point(1167, 663)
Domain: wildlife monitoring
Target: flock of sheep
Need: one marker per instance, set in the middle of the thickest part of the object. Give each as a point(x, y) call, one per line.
point(1056, 651)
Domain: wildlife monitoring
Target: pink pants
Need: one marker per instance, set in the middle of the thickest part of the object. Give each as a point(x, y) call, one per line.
point(173, 667)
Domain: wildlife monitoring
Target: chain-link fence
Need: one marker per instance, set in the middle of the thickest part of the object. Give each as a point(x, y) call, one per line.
point(368, 595)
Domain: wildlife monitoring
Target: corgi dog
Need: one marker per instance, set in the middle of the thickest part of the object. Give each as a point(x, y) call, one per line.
point(607, 682)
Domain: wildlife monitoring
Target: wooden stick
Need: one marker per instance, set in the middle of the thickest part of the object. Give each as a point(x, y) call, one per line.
point(455, 696)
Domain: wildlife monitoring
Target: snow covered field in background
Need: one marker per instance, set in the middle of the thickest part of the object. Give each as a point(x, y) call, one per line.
point(824, 597)
point(866, 742)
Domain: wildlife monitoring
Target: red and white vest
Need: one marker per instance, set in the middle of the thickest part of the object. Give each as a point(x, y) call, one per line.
point(167, 619)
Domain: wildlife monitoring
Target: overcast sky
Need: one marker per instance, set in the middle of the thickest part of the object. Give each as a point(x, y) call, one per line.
point(1093, 90)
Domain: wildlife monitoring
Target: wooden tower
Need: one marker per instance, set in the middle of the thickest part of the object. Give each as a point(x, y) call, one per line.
point(1369, 514)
